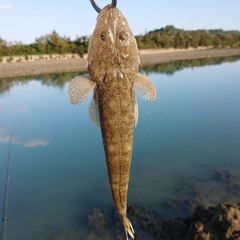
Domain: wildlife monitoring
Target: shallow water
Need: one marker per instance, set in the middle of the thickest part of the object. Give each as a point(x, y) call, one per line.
point(58, 171)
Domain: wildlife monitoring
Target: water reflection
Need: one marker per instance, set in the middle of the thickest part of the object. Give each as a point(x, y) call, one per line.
point(60, 79)
point(29, 143)
point(192, 130)
point(172, 67)
point(54, 79)
point(20, 109)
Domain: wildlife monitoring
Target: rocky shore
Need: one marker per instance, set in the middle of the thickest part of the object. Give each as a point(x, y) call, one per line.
point(211, 206)
point(207, 219)
point(148, 57)
point(221, 222)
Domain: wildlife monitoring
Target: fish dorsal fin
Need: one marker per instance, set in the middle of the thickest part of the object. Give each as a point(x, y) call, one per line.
point(145, 87)
point(79, 88)
point(93, 112)
point(136, 112)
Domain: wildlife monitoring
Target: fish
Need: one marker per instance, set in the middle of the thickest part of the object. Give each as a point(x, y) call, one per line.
point(113, 77)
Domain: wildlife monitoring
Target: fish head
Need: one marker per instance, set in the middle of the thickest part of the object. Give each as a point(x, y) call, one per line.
point(112, 47)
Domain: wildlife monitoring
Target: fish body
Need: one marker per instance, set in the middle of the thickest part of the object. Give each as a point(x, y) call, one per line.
point(113, 64)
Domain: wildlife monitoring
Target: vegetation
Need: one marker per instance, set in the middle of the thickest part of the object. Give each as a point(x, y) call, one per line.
point(168, 37)
point(171, 37)
point(48, 44)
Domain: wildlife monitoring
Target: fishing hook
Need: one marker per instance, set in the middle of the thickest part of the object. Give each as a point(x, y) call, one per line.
point(98, 9)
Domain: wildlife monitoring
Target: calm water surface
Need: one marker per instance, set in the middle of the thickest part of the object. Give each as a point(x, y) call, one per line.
point(58, 171)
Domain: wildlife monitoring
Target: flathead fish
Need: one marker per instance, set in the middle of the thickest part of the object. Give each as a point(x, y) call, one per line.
point(113, 64)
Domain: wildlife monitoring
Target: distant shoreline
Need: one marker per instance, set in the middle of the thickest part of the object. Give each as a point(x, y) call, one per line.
point(147, 57)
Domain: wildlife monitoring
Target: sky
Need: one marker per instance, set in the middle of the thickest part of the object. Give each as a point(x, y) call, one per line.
point(26, 20)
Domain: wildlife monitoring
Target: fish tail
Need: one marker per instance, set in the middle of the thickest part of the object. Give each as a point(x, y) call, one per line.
point(128, 228)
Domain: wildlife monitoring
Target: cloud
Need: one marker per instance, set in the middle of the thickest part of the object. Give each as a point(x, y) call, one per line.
point(20, 109)
point(5, 7)
point(33, 142)
point(30, 143)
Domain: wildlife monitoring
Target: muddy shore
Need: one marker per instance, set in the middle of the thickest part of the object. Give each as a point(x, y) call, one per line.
point(18, 69)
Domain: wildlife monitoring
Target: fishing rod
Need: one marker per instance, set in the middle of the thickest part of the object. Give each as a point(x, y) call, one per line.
point(3, 235)
point(3, 147)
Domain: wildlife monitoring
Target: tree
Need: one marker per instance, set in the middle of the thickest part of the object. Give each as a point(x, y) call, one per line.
point(195, 39)
point(3, 47)
point(179, 40)
point(41, 44)
point(139, 40)
point(206, 40)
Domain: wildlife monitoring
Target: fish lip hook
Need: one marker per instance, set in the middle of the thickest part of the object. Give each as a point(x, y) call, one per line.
point(98, 9)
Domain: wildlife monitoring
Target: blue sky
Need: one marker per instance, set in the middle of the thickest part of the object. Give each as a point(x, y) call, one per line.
point(24, 20)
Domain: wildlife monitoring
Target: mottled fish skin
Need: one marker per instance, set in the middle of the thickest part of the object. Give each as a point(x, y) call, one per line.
point(114, 68)
point(113, 64)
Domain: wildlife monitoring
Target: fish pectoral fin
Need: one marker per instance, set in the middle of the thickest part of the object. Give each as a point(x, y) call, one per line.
point(145, 87)
point(128, 228)
point(93, 112)
point(136, 112)
point(79, 88)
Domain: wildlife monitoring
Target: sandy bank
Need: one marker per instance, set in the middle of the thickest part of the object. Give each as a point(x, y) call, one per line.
point(148, 57)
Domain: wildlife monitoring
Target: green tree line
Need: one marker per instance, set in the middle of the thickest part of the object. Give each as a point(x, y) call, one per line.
point(168, 37)
point(171, 37)
point(48, 44)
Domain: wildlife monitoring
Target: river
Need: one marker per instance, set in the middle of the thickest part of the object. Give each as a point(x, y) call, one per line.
point(58, 171)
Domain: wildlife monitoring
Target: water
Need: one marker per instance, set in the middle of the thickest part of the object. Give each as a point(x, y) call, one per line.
point(58, 172)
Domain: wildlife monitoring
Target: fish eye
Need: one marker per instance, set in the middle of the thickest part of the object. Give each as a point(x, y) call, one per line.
point(103, 35)
point(123, 36)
